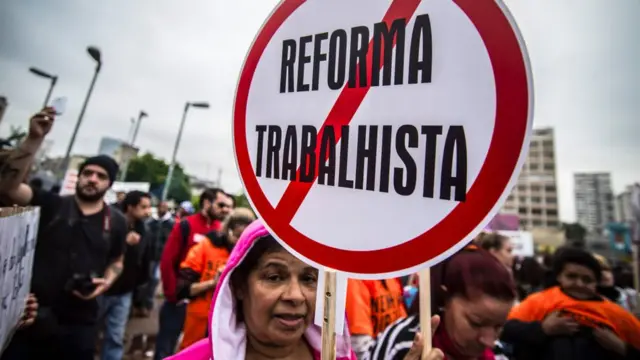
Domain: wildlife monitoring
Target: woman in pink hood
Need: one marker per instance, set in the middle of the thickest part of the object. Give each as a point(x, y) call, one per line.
point(263, 306)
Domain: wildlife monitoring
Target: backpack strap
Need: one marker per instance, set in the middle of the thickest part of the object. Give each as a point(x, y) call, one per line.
point(185, 229)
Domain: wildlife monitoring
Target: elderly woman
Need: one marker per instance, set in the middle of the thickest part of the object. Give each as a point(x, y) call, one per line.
point(263, 307)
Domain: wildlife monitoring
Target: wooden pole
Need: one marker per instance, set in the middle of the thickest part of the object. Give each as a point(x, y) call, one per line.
point(424, 277)
point(329, 319)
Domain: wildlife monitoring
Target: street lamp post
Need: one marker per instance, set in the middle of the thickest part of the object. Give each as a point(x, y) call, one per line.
point(53, 78)
point(136, 124)
point(167, 181)
point(95, 54)
point(141, 115)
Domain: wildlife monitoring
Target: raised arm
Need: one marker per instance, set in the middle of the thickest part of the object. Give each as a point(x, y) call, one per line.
point(15, 166)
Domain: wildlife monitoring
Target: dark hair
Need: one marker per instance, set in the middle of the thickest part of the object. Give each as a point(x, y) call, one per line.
point(530, 272)
point(240, 275)
point(210, 195)
point(491, 241)
point(133, 198)
point(55, 189)
point(572, 255)
point(36, 183)
point(469, 273)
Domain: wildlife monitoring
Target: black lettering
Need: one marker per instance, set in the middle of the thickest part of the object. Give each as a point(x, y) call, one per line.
point(385, 158)
point(430, 153)
point(302, 60)
point(411, 132)
point(358, 57)
point(274, 140)
point(290, 154)
point(261, 129)
point(327, 168)
point(366, 152)
point(421, 41)
point(383, 39)
point(308, 154)
point(318, 57)
point(455, 141)
point(343, 182)
point(336, 73)
point(286, 70)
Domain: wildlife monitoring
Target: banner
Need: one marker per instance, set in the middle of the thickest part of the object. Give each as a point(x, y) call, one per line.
point(18, 231)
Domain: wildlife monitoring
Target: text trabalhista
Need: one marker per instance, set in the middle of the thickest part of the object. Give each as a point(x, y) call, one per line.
point(296, 153)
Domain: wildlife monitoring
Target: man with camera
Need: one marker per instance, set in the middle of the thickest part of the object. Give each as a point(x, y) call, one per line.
point(79, 251)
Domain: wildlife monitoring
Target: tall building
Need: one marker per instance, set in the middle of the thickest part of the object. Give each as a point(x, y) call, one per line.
point(535, 197)
point(3, 106)
point(594, 200)
point(622, 206)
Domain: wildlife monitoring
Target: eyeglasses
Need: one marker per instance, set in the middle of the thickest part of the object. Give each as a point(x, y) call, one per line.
point(222, 205)
point(88, 173)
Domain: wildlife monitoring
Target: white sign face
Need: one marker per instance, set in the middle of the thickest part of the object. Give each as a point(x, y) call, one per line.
point(111, 196)
point(522, 242)
point(17, 246)
point(345, 163)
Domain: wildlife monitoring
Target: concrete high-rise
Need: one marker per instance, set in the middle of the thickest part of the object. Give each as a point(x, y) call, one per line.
point(594, 200)
point(535, 197)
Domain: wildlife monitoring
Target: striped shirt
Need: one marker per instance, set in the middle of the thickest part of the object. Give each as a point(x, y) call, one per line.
point(396, 340)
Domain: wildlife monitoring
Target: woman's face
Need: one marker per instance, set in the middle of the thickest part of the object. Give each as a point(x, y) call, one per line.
point(505, 254)
point(279, 300)
point(475, 325)
point(578, 281)
point(234, 234)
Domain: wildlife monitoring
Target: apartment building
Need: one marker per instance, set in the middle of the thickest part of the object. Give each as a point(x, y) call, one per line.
point(594, 201)
point(535, 197)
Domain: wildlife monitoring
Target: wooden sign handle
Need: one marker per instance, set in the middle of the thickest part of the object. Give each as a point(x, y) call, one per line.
point(424, 289)
point(329, 319)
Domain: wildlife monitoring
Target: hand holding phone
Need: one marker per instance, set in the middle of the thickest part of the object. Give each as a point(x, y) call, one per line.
point(59, 104)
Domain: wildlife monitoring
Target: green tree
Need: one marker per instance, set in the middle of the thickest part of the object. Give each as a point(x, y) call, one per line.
point(148, 168)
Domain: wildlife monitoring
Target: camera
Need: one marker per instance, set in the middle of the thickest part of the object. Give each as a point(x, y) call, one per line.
point(82, 283)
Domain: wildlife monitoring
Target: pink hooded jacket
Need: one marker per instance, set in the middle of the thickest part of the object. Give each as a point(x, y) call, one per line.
point(227, 337)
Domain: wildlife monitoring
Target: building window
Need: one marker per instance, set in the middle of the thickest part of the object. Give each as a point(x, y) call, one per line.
point(552, 212)
point(550, 188)
point(549, 167)
point(522, 211)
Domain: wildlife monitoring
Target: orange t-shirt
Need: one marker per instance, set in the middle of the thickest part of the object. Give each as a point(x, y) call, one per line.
point(372, 305)
point(205, 259)
point(602, 313)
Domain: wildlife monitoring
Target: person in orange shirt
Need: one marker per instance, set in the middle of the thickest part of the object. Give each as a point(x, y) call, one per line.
point(200, 270)
point(571, 320)
point(371, 306)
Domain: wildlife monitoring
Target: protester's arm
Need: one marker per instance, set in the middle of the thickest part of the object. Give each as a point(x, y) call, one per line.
point(168, 261)
point(524, 326)
point(188, 282)
point(15, 167)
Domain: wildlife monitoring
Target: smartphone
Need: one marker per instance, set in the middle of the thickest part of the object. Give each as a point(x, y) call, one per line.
point(59, 104)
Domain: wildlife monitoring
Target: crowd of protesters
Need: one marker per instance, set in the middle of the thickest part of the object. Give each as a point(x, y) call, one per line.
point(232, 292)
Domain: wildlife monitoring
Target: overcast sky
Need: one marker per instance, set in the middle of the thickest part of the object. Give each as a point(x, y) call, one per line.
point(158, 54)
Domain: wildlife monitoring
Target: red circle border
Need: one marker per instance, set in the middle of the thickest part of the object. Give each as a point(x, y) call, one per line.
point(507, 143)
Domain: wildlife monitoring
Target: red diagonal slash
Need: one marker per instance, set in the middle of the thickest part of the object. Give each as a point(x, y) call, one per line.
point(341, 113)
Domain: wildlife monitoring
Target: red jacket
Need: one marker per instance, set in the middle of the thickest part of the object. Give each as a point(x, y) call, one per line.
point(174, 251)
